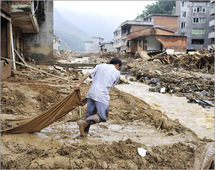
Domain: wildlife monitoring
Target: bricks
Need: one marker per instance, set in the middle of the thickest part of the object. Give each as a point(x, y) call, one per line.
point(136, 28)
point(5, 6)
point(169, 23)
point(179, 44)
point(27, 2)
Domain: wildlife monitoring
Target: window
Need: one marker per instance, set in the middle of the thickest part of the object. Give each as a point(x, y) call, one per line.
point(198, 20)
point(183, 14)
point(201, 20)
point(198, 31)
point(195, 20)
point(199, 9)
point(184, 4)
point(183, 25)
point(182, 34)
point(197, 41)
point(129, 43)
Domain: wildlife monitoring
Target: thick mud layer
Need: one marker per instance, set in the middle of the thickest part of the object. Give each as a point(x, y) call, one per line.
point(114, 144)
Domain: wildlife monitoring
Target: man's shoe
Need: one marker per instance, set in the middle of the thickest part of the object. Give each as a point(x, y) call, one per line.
point(82, 125)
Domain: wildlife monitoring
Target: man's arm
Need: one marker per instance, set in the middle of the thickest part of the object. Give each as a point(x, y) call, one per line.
point(82, 80)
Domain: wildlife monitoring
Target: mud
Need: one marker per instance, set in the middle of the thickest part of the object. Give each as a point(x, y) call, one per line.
point(111, 145)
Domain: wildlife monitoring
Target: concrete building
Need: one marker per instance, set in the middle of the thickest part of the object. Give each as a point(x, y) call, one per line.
point(88, 46)
point(26, 31)
point(56, 43)
point(93, 46)
point(168, 22)
point(117, 39)
point(194, 18)
point(107, 47)
point(211, 35)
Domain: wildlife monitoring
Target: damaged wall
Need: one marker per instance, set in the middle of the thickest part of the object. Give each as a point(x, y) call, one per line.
point(5, 66)
point(179, 44)
point(40, 46)
point(149, 31)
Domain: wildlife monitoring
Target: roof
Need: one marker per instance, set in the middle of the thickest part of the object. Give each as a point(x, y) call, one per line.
point(153, 28)
point(165, 15)
point(148, 35)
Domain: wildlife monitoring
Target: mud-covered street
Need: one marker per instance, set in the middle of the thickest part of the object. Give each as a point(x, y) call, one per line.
point(171, 140)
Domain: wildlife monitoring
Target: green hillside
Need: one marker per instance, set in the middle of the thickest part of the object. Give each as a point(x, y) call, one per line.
point(72, 38)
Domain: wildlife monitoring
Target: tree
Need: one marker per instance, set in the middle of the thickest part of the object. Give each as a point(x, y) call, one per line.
point(160, 7)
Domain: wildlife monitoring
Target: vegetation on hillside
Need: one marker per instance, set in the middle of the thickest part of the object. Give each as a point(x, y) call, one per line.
point(160, 7)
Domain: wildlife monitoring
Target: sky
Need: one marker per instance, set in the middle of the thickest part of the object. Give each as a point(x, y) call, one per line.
point(128, 10)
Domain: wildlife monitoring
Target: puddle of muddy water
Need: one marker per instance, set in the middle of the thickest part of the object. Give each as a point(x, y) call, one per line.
point(193, 116)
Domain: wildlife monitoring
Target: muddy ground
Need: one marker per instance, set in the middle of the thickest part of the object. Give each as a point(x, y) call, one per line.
point(110, 145)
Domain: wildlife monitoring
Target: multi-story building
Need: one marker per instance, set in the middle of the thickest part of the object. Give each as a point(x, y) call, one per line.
point(93, 46)
point(56, 43)
point(211, 35)
point(117, 39)
point(26, 31)
point(107, 47)
point(167, 22)
point(88, 46)
point(194, 18)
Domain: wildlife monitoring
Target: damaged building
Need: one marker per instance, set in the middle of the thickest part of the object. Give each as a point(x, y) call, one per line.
point(155, 39)
point(152, 33)
point(26, 32)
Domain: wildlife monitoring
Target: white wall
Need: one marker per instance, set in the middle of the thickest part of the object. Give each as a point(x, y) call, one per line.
point(153, 44)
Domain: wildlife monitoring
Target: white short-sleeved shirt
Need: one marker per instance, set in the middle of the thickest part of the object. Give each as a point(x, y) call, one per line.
point(105, 77)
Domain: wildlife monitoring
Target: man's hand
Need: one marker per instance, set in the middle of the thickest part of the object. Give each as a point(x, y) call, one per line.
point(76, 87)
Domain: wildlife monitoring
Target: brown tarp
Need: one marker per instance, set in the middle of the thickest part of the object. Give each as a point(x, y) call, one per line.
point(41, 121)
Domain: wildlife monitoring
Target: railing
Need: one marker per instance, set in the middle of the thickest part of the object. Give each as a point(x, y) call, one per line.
point(211, 35)
point(212, 11)
point(212, 23)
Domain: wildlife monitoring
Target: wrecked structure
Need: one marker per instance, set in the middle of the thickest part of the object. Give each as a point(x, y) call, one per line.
point(139, 34)
point(26, 32)
point(155, 39)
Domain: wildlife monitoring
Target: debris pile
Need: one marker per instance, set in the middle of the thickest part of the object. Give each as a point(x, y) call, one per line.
point(187, 75)
point(202, 59)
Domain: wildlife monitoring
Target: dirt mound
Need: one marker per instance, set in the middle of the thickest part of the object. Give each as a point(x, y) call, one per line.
point(56, 147)
point(117, 155)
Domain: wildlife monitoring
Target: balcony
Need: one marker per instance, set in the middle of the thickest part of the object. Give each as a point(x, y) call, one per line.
point(212, 23)
point(212, 11)
point(22, 16)
point(211, 35)
point(131, 22)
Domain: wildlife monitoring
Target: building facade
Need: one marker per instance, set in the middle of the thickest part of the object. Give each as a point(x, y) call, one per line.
point(107, 47)
point(88, 46)
point(211, 35)
point(93, 46)
point(194, 18)
point(121, 40)
point(26, 31)
point(56, 43)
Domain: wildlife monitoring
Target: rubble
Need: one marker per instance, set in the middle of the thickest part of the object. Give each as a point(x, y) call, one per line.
point(182, 75)
point(28, 93)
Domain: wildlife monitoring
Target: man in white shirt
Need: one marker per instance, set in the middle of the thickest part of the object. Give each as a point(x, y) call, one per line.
point(105, 77)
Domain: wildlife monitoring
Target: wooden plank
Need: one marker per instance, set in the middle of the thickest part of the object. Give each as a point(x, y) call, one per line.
point(42, 71)
point(20, 57)
point(76, 65)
